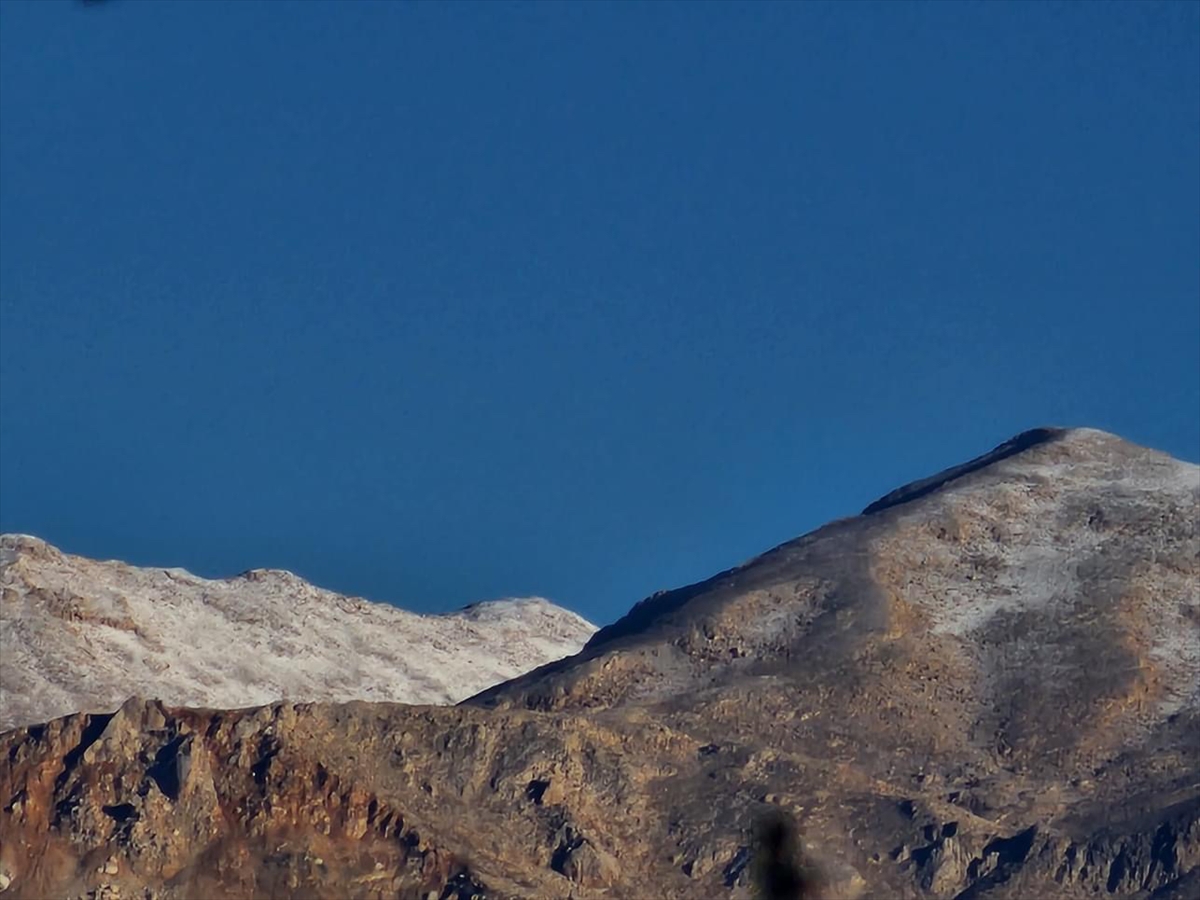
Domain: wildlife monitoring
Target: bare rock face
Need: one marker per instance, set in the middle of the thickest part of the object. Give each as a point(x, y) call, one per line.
point(80, 635)
point(988, 686)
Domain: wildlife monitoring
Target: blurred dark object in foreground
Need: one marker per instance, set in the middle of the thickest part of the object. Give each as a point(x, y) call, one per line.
point(780, 870)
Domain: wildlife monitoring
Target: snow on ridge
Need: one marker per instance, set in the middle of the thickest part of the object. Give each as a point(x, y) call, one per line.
point(78, 634)
point(1052, 531)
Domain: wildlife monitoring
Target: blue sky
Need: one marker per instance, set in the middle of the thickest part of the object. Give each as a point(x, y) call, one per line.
point(437, 303)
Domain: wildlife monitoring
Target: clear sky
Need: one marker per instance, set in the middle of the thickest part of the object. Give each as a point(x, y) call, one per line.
point(434, 303)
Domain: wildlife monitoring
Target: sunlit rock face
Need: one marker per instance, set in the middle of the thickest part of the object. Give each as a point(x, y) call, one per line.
point(986, 686)
point(77, 635)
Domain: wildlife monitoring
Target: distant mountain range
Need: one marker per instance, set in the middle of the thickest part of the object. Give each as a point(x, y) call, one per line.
point(985, 687)
point(78, 635)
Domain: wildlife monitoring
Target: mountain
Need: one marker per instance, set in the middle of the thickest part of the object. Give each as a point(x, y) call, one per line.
point(985, 686)
point(80, 635)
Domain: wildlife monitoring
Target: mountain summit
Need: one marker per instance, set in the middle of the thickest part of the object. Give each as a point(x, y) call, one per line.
point(1015, 569)
point(985, 686)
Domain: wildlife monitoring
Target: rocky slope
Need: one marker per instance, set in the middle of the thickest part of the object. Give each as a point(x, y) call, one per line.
point(80, 635)
point(988, 686)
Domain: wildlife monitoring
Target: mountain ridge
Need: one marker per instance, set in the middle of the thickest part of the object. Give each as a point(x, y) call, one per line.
point(989, 692)
point(1032, 461)
point(82, 635)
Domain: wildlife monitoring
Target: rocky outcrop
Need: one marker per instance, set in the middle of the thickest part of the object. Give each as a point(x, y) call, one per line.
point(80, 635)
point(311, 800)
point(985, 689)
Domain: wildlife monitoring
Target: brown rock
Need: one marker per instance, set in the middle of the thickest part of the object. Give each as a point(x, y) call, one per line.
point(985, 688)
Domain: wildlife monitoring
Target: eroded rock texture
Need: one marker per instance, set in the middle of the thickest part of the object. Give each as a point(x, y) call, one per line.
point(987, 687)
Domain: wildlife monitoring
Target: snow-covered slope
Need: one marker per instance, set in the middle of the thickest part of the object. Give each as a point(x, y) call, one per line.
point(81, 635)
